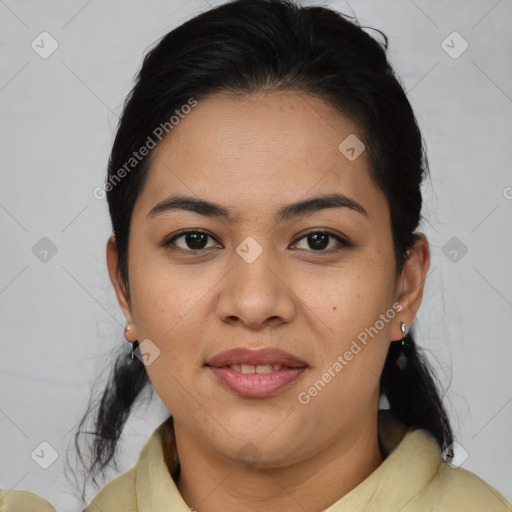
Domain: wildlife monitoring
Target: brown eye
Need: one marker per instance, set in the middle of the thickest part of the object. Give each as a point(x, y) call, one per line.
point(319, 241)
point(190, 240)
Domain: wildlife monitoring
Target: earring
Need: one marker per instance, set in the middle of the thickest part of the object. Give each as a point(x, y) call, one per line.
point(405, 341)
point(135, 345)
point(403, 326)
point(401, 360)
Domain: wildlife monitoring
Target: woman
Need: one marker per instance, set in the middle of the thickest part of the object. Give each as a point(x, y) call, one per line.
point(264, 191)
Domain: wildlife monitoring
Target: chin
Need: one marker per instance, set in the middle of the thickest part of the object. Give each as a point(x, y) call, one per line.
point(260, 449)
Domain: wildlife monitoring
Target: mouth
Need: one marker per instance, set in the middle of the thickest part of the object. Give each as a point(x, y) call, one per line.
point(259, 368)
point(256, 373)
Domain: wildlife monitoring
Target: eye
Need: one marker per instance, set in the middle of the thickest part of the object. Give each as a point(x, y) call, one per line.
point(195, 241)
point(190, 240)
point(319, 241)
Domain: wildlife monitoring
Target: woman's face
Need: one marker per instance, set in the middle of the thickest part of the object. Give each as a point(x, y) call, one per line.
point(253, 280)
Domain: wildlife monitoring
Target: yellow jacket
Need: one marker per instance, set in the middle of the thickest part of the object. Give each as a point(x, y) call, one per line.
point(413, 477)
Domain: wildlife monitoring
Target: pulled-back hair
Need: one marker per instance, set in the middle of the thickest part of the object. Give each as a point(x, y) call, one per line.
point(249, 46)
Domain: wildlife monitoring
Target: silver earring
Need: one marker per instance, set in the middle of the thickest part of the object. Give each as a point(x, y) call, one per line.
point(401, 360)
point(405, 343)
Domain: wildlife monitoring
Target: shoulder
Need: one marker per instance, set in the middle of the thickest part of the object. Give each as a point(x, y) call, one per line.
point(23, 501)
point(125, 492)
point(460, 489)
point(116, 496)
point(416, 477)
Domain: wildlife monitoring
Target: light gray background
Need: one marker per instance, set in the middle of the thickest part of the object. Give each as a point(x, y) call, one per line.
point(60, 319)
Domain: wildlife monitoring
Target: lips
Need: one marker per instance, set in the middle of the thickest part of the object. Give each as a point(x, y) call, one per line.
point(243, 356)
point(256, 373)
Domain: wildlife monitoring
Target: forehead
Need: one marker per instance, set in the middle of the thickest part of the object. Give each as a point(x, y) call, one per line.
point(260, 150)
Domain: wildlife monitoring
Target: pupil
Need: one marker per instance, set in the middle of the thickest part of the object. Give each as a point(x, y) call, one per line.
point(319, 240)
point(196, 240)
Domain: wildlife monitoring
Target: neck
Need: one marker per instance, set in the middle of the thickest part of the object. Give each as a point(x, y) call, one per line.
point(209, 483)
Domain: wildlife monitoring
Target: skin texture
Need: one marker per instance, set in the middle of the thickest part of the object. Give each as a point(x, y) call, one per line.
point(253, 154)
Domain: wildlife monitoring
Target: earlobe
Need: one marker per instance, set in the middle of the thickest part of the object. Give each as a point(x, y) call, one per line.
point(411, 283)
point(123, 298)
point(129, 334)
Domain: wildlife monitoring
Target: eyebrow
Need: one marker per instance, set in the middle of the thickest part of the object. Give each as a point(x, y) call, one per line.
point(289, 211)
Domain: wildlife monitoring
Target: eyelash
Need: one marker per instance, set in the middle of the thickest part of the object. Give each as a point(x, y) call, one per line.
point(343, 242)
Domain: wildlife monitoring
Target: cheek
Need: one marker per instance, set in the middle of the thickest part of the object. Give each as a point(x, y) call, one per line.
point(344, 389)
point(169, 310)
point(348, 301)
point(353, 318)
point(168, 313)
point(167, 300)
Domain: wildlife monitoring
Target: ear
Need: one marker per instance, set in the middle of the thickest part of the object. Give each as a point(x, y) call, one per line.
point(123, 297)
point(410, 284)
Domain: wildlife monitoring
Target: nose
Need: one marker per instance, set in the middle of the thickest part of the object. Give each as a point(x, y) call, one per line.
point(255, 293)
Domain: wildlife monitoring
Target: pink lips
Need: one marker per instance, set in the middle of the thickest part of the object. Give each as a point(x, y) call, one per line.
point(256, 385)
